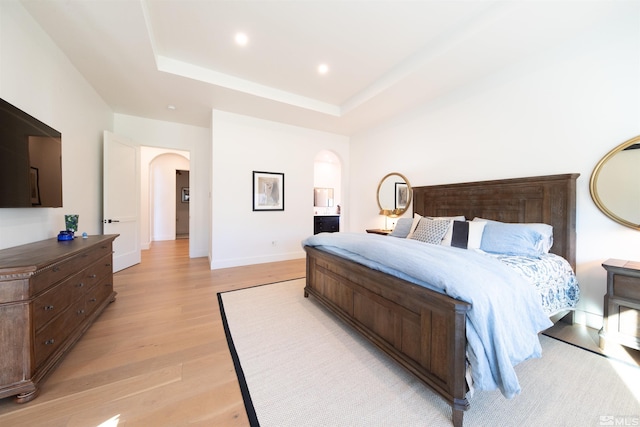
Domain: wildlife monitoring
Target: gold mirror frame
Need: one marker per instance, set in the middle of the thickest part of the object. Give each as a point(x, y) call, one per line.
point(394, 211)
point(594, 182)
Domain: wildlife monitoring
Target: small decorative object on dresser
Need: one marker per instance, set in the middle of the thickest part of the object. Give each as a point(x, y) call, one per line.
point(50, 293)
point(71, 223)
point(621, 320)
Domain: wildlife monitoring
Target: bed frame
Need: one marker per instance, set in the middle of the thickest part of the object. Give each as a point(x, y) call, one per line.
point(423, 330)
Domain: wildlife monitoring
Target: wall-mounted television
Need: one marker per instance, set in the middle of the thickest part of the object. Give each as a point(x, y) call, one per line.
point(30, 161)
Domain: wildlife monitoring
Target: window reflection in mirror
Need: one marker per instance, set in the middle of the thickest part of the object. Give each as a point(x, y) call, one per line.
point(322, 197)
point(614, 184)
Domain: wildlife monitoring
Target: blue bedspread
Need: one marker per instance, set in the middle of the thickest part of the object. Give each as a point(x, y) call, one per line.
point(505, 318)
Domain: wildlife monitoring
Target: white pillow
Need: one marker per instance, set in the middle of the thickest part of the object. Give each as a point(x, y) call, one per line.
point(414, 225)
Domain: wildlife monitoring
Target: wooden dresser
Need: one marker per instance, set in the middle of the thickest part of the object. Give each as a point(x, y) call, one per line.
point(50, 293)
point(622, 304)
point(326, 224)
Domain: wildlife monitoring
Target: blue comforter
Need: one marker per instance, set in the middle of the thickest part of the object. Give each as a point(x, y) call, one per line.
point(506, 315)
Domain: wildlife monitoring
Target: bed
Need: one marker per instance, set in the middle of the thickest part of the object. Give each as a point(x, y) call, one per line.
point(422, 328)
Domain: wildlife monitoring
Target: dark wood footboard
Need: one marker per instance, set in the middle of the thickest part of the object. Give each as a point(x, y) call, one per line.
point(421, 329)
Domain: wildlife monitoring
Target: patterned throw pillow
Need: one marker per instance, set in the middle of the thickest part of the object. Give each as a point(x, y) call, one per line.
point(431, 230)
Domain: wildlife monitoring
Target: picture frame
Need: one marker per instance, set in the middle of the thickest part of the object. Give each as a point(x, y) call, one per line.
point(401, 195)
point(34, 186)
point(268, 191)
point(185, 195)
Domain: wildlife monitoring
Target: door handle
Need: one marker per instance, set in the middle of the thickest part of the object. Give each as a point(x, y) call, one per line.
point(109, 221)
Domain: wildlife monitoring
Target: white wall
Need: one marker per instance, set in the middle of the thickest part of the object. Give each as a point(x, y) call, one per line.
point(36, 77)
point(242, 145)
point(195, 140)
point(557, 112)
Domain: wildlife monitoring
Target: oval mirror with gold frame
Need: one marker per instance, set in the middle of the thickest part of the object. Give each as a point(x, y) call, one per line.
point(615, 184)
point(394, 194)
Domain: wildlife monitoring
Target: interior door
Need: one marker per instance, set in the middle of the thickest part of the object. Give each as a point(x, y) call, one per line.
point(121, 192)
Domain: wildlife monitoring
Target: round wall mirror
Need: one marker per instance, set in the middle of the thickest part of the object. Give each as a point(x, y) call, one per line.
point(615, 183)
point(394, 194)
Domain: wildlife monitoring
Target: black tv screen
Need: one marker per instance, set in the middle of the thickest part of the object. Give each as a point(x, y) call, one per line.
point(30, 161)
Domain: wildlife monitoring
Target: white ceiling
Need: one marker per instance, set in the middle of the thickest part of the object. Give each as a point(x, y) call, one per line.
point(384, 56)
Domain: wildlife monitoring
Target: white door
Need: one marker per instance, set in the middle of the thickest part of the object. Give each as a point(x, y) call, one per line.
point(121, 194)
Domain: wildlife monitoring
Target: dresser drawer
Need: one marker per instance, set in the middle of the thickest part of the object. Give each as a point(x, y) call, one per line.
point(52, 336)
point(97, 295)
point(56, 299)
point(626, 287)
point(45, 278)
point(52, 303)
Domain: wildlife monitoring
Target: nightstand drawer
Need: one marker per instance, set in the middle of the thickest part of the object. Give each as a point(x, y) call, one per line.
point(629, 322)
point(626, 287)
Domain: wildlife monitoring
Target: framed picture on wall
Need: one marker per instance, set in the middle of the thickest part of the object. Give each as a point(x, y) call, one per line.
point(268, 191)
point(402, 195)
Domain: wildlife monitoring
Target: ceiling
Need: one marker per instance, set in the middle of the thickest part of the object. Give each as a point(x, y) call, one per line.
point(384, 57)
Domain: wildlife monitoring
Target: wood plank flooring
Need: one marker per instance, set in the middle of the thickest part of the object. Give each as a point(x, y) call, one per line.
point(158, 355)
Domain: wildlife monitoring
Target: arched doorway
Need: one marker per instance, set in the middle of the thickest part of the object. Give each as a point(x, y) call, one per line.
point(327, 182)
point(165, 195)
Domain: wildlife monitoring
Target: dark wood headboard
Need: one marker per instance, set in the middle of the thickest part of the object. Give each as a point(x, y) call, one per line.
point(547, 199)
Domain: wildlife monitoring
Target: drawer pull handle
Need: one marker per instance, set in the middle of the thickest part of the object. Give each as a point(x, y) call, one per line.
point(92, 300)
point(48, 307)
point(49, 341)
point(93, 276)
point(79, 285)
point(108, 264)
point(80, 311)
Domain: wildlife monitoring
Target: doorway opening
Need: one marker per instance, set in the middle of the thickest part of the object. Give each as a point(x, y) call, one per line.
point(182, 204)
point(327, 181)
point(163, 202)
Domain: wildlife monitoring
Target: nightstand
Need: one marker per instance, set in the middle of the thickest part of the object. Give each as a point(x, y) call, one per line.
point(621, 322)
point(379, 231)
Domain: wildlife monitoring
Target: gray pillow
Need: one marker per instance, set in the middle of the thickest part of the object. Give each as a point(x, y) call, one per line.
point(402, 228)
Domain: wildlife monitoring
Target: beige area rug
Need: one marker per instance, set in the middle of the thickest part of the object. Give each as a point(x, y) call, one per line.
point(298, 365)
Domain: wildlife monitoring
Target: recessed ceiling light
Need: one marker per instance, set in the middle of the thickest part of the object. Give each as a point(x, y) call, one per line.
point(323, 68)
point(171, 107)
point(242, 39)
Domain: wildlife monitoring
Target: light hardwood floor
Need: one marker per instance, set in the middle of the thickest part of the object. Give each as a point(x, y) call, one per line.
point(158, 355)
